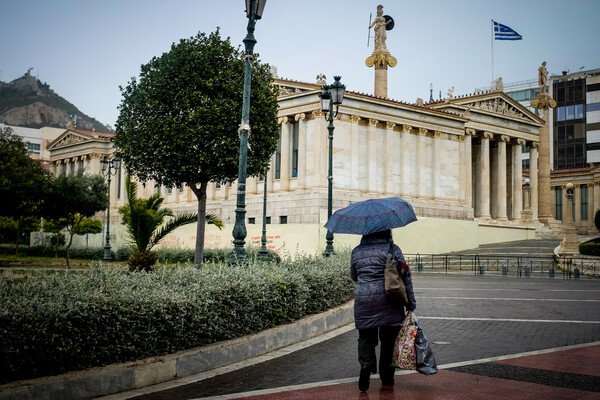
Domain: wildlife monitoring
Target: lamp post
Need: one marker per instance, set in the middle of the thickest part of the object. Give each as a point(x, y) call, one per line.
point(332, 95)
point(264, 252)
point(254, 10)
point(107, 169)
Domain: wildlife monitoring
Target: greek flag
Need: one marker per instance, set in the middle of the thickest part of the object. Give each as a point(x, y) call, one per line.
point(503, 32)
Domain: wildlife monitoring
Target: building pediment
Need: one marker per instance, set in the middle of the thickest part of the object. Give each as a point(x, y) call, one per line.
point(75, 137)
point(496, 104)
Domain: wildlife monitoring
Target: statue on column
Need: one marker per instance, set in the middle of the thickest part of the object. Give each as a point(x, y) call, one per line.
point(543, 77)
point(381, 26)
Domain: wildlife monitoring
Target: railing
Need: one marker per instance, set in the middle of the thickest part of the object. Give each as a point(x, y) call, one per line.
point(504, 264)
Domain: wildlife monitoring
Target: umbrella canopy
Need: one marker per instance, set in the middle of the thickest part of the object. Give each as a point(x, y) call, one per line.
point(372, 215)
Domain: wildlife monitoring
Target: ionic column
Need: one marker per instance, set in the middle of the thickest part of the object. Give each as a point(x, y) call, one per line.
point(501, 174)
point(533, 177)
point(284, 178)
point(389, 158)
point(466, 180)
point(484, 176)
point(422, 132)
point(577, 205)
point(517, 168)
point(406, 170)
point(372, 156)
point(435, 160)
point(354, 150)
point(301, 121)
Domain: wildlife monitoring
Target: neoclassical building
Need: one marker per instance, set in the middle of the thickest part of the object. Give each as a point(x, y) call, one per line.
point(457, 160)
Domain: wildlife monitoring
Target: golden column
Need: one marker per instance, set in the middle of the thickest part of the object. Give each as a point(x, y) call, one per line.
point(543, 102)
point(381, 56)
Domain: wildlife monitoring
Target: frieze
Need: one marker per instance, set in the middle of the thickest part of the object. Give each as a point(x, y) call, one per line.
point(68, 140)
point(497, 106)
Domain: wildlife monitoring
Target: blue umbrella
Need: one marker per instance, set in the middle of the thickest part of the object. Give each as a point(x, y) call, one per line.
point(372, 215)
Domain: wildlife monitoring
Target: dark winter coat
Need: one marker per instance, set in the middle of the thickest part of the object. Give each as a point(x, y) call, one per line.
point(372, 305)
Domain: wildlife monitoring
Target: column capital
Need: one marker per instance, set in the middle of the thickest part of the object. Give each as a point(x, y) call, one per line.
point(422, 131)
point(521, 142)
point(373, 122)
point(300, 116)
point(487, 135)
point(318, 113)
point(406, 128)
point(282, 120)
point(390, 125)
point(535, 145)
point(504, 138)
point(439, 134)
point(354, 119)
point(470, 131)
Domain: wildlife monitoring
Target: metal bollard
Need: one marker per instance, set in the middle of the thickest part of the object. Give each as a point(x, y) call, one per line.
point(576, 273)
point(551, 273)
point(419, 267)
point(504, 270)
point(481, 269)
point(527, 271)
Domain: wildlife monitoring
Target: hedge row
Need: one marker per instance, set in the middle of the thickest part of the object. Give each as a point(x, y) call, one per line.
point(58, 322)
point(590, 249)
point(97, 253)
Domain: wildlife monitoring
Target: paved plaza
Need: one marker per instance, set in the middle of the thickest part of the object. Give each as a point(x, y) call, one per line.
point(493, 337)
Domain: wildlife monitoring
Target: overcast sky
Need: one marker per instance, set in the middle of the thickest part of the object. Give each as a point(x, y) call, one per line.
point(86, 49)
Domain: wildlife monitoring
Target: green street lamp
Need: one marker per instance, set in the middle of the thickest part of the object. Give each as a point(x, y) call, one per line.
point(254, 10)
point(332, 95)
point(107, 169)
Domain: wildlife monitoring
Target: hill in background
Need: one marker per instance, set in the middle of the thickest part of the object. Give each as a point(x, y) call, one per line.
point(30, 103)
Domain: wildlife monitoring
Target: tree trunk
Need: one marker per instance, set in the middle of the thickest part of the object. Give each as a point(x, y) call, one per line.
point(18, 236)
point(71, 234)
point(201, 228)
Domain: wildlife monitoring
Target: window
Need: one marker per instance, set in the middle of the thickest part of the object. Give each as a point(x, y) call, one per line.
point(218, 185)
point(592, 107)
point(180, 187)
point(584, 202)
point(268, 220)
point(33, 148)
point(559, 202)
point(525, 163)
point(283, 219)
point(79, 165)
point(251, 220)
point(278, 157)
point(295, 150)
point(560, 113)
point(169, 190)
point(570, 112)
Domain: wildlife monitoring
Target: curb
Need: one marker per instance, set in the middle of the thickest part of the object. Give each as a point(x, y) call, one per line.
point(114, 378)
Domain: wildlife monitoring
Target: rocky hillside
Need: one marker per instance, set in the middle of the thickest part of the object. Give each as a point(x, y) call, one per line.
point(30, 103)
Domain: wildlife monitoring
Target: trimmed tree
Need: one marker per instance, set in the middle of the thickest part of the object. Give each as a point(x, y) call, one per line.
point(179, 123)
point(75, 197)
point(24, 183)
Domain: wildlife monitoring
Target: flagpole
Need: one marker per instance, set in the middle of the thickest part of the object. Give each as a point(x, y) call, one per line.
point(492, 50)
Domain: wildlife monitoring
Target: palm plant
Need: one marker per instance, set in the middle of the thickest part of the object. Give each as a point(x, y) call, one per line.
point(144, 221)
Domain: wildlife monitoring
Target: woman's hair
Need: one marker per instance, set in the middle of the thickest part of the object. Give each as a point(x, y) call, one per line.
point(381, 234)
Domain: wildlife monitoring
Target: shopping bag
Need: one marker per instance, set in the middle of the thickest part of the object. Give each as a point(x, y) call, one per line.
point(404, 348)
point(424, 355)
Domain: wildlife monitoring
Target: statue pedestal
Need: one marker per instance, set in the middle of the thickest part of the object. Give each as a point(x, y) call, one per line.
point(381, 58)
point(570, 243)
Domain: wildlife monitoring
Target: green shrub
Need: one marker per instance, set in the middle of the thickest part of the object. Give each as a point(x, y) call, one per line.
point(590, 249)
point(64, 321)
point(142, 261)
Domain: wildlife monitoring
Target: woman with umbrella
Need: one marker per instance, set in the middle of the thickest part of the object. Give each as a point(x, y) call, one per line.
point(377, 316)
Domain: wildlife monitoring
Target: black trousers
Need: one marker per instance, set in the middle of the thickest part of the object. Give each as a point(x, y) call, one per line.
point(367, 341)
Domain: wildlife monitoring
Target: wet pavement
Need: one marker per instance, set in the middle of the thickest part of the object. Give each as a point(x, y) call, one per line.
point(494, 337)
